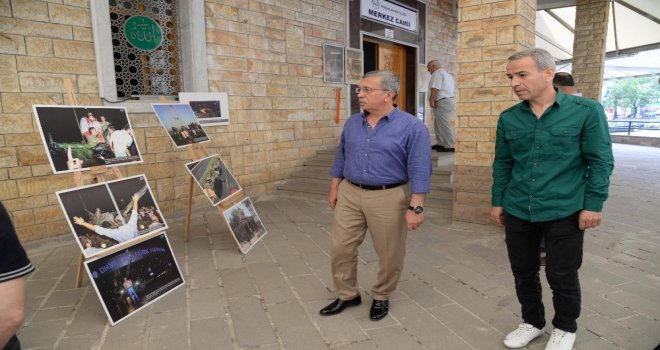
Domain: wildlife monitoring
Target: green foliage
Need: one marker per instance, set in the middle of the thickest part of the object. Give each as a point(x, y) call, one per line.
point(633, 93)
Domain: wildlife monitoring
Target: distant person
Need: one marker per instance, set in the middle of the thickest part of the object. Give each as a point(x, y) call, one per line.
point(14, 266)
point(441, 99)
point(120, 141)
point(565, 83)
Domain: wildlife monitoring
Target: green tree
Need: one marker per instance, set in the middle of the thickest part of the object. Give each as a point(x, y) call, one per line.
point(633, 93)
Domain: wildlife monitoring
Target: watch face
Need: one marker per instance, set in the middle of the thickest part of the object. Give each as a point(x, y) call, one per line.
point(418, 210)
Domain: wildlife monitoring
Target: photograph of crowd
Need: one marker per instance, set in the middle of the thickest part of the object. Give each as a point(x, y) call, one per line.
point(107, 214)
point(80, 137)
point(213, 177)
point(211, 108)
point(245, 225)
point(132, 278)
point(180, 122)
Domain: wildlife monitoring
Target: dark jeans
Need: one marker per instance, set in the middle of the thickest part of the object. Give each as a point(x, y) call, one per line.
point(13, 344)
point(564, 241)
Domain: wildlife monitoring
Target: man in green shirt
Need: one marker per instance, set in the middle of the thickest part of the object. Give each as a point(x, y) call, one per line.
point(553, 160)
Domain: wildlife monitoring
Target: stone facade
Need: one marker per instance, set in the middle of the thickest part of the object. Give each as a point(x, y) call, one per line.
point(589, 46)
point(488, 33)
point(267, 56)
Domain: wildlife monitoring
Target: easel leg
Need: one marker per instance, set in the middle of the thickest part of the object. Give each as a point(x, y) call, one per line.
point(79, 273)
point(189, 210)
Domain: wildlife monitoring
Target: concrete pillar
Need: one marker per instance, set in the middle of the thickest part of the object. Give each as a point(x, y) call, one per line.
point(591, 17)
point(488, 33)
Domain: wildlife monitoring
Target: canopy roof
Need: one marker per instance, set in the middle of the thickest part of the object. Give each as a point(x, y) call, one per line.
point(633, 27)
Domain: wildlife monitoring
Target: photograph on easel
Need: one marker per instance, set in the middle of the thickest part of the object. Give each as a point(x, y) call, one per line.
point(245, 225)
point(111, 213)
point(80, 137)
point(214, 178)
point(211, 108)
point(128, 280)
point(180, 122)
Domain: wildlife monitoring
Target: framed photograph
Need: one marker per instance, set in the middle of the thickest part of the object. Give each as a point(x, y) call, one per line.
point(333, 64)
point(111, 213)
point(210, 108)
point(214, 178)
point(78, 137)
point(130, 279)
point(245, 225)
point(354, 67)
point(180, 122)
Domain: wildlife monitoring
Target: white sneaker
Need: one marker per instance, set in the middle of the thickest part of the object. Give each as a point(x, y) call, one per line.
point(560, 340)
point(522, 336)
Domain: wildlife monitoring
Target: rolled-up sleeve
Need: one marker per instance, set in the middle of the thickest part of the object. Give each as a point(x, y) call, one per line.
point(596, 146)
point(419, 159)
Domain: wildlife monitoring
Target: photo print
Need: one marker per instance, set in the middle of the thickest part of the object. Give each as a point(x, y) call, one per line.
point(354, 70)
point(79, 137)
point(210, 108)
point(245, 225)
point(180, 122)
point(111, 213)
point(333, 64)
point(214, 178)
point(132, 278)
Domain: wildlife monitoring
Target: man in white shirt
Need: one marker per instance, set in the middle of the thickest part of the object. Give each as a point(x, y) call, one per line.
point(441, 99)
point(120, 234)
point(120, 141)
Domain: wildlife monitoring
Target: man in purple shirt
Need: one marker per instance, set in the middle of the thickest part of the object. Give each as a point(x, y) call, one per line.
point(380, 151)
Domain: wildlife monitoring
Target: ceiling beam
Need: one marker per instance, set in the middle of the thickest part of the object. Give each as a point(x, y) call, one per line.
point(637, 10)
point(553, 4)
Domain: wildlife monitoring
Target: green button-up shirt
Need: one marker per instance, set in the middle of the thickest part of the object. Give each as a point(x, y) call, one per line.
point(550, 167)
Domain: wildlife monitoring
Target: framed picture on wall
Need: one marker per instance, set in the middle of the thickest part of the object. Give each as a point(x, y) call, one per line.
point(333, 64)
point(354, 66)
point(210, 108)
point(80, 137)
point(214, 178)
point(180, 123)
point(129, 279)
point(246, 227)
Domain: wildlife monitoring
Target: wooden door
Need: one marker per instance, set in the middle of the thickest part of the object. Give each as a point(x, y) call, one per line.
point(392, 57)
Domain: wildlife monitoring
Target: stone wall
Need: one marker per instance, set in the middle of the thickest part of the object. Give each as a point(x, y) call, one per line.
point(267, 57)
point(488, 33)
point(589, 46)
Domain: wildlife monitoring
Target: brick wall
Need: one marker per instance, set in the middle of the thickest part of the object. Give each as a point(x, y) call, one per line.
point(589, 46)
point(488, 33)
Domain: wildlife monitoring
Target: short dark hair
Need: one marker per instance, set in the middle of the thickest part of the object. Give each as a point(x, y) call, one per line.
point(563, 79)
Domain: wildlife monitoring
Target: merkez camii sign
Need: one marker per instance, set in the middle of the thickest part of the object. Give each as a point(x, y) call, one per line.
point(389, 13)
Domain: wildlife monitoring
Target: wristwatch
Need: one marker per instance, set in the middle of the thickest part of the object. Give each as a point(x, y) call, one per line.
point(418, 209)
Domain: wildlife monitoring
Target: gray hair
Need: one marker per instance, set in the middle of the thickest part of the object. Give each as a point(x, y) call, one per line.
point(543, 58)
point(388, 81)
point(434, 63)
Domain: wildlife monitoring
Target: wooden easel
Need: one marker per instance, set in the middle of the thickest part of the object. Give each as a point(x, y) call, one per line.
point(94, 175)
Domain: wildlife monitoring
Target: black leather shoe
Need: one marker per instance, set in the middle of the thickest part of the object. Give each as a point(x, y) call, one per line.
point(379, 309)
point(339, 305)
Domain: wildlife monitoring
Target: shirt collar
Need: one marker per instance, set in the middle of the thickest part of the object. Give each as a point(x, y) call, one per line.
point(559, 100)
point(391, 116)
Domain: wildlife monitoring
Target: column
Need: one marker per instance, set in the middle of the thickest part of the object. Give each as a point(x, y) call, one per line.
point(591, 18)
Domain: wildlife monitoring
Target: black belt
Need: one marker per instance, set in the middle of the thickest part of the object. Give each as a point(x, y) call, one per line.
point(375, 188)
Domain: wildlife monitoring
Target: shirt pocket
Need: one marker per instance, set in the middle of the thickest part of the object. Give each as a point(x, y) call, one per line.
point(518, 140)
point(566, 139)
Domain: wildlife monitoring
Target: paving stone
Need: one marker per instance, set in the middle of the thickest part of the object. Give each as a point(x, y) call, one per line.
point(309, 288)
point(289, 260)
point(206, 303)
point(167, 330)
point(54, 313)
point(173, 301)
point(250, 321)
point(64, 298)
point(202, 273)
point(617, 333)
point(89, 341)
point(210, 333)
point(227, 259)
point(294, 327)
point(129, 331)
point(41, 334)
point(466, 329)
point(424, 294)
point(272, 286)
point(394, 338)
point(342, 328)
point(237, 283)
point(89, 318)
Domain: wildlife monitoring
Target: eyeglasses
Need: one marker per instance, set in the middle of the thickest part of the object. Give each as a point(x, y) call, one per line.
point(367, 90)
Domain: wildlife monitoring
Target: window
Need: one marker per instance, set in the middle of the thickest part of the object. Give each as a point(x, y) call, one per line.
point(148, 48)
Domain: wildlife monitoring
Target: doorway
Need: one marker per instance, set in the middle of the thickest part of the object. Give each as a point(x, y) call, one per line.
point(399, 59)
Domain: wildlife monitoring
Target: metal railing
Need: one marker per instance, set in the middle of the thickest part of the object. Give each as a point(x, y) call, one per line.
point(635, 127)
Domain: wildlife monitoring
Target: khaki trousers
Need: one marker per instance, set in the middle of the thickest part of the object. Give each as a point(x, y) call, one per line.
point(383, 212)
